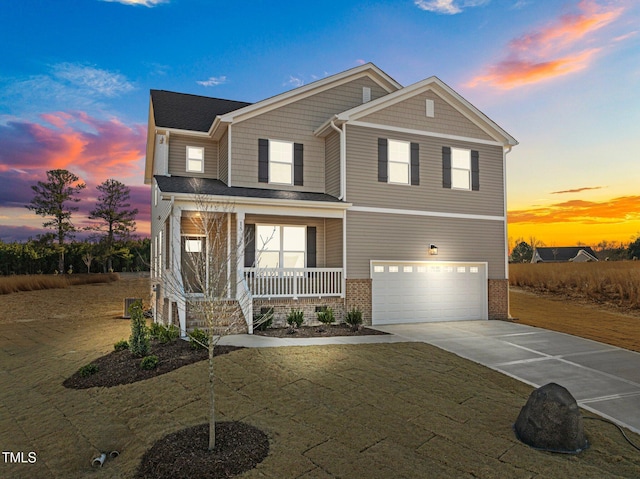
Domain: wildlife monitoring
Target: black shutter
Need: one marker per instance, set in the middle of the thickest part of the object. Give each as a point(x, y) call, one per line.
point(446, 167)
point(475, 170)
point(311, 246)
point(415, 164)
point(249, 245)
point(263, 160)
point(298, 151)
point(382, 160)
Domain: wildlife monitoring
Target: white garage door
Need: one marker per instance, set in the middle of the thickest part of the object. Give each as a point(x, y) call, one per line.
point(418, 291)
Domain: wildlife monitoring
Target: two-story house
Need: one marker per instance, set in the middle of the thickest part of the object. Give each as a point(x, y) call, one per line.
point(372, 195)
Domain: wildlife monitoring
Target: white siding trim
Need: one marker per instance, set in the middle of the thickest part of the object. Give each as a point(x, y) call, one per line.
point(439, 214)
point(410, 131)
point(228, 156)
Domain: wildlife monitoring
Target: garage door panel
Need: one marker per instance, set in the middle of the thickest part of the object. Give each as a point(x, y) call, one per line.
point(421, 292)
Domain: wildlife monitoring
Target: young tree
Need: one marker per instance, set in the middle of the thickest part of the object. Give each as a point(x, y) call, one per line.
point(208, 261)
point(54, 199)
point(118, 220)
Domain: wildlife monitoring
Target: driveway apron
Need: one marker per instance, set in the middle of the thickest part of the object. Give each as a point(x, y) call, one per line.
point(604, 379)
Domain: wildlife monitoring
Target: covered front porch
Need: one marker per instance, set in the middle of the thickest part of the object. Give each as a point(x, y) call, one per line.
point(255, 254)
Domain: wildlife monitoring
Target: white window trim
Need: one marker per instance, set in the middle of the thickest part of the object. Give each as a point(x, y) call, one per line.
point(390, 161)
point(290, 164)
point(467, 170)
point(281, 250)
point(189, 170)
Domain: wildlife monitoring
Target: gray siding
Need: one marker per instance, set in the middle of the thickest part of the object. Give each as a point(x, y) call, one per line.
point(223, 158)
point(411, 114)
point(332, 164)
point(178, 156)
point(333, 242)
point(294, 220)
point(380, 236)
point(364, 189)
point(294, 122)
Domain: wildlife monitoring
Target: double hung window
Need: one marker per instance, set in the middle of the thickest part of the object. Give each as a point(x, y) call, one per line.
point(280, 246)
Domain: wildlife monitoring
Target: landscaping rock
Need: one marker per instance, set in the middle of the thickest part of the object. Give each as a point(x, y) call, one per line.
point(551, 421)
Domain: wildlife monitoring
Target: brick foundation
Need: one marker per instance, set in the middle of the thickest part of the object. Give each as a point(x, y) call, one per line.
point(234, 325)
point(498, 298)
point(358, 295)
point(282, 308)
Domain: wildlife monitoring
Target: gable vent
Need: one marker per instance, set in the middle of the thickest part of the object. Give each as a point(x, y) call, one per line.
point(430, 108)
point(366, 94)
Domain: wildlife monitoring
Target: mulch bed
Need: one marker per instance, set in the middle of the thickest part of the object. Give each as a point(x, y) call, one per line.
point(122, 367)
point(316, 332)
point(185, 454)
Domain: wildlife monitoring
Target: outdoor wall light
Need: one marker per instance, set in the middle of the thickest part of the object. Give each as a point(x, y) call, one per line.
point(433, 250)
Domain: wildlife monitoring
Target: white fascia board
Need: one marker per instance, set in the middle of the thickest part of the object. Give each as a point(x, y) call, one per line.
point(199, 134)
point(410, 131)
point(366, 70)
point(273, 207)
point(438, 214)
point(325, 128)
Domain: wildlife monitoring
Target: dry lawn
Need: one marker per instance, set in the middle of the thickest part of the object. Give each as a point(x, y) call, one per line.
point(33, 282)
point(404, 410)
point(615, 283)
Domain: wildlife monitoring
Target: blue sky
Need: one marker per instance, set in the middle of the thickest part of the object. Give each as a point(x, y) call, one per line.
point(563, 77)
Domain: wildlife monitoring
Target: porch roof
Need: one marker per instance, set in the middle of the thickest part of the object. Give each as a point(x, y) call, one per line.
point(210, 186)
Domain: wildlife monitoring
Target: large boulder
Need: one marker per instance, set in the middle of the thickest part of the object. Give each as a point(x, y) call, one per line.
point(551, 421)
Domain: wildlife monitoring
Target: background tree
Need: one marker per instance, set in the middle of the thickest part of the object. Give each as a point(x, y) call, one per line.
point(522, 253)
point(633, 251)
point(118, 220)
point(54, 199)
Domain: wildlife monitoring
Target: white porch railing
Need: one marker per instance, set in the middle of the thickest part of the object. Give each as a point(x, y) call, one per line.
point(246, 304)
point(294, 282)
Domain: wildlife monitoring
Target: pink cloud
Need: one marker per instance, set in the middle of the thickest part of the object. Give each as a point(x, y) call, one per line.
point(92, 148)
point(557, 49)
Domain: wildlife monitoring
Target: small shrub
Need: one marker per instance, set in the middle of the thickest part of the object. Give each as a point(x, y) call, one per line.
point(139, 339)
point(326, 317)
point(263, 320)
point(295, 318)
point(354, 318)
point(88, 370)
point(149, 362)
point(121, 345)
point(199, 339)
point(162, 333)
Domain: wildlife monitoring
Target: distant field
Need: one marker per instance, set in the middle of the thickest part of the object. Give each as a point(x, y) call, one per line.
point(34, 282)
point(615, 282)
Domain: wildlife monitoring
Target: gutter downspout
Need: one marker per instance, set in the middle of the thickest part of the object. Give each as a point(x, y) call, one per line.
point(506, 235)
point(343, 170)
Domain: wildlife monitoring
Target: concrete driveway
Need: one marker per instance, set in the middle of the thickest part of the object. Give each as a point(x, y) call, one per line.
point(603, 379)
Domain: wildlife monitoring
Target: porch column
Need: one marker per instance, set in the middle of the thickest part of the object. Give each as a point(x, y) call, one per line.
point(175, 282)
point(239, 253)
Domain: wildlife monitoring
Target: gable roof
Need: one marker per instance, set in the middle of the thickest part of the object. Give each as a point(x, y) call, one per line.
point(563, 253)
point(183, 111)
point(440, 88)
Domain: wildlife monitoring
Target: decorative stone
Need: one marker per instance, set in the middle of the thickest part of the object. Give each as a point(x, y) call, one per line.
point(551, 421)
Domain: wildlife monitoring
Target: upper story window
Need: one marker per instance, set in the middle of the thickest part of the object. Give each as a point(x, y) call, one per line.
point(195, 159)
point(398, 162)
point(460, 169)
point(280, 162)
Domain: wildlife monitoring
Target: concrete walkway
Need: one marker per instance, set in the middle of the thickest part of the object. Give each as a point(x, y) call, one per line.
point(604, 379)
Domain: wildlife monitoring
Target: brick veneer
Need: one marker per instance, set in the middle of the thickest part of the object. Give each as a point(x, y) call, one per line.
point(358, 295)
point(235, 325)
point(498, 298)
point(282, 307)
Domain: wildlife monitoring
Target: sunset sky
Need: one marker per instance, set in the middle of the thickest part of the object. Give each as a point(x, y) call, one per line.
point(561, 76)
